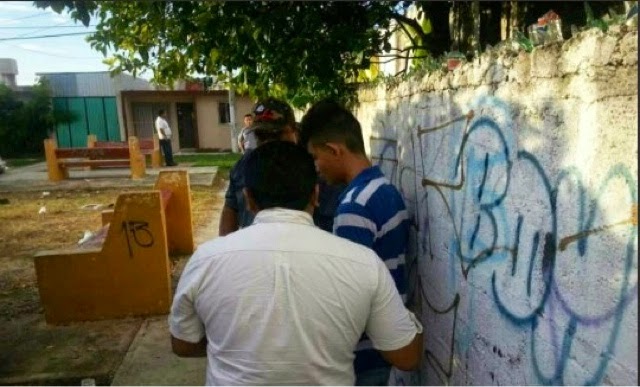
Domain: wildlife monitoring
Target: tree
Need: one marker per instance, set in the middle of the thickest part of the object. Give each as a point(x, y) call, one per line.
point(24, 124)
point(10, 108)
point(298, 51)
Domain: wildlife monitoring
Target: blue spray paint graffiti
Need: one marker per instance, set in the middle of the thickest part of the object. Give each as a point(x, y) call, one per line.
point(517, 235)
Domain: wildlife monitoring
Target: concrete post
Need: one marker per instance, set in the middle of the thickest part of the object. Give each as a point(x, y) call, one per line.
point(136, 159)
point(232, 120)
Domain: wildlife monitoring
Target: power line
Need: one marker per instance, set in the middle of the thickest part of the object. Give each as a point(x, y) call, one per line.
point(40, 29)
point(29, 17)
point(50, 54)
point(46, 36)
point(53, 26)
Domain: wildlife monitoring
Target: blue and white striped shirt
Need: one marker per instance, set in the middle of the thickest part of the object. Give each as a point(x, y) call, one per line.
point(372, 213)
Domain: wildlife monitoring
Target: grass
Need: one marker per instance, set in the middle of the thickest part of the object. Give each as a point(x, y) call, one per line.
point(23, 231)
point(224, 161)
point(21, 162)
point(220, 160)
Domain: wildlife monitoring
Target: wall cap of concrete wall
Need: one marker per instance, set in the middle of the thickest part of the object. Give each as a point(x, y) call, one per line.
point(591, 53)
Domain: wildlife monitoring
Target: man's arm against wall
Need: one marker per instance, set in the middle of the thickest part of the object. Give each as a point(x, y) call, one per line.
point(393, 330)
point(408, 357)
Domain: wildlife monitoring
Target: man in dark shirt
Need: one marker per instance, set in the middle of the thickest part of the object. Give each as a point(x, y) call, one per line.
point(273, 120)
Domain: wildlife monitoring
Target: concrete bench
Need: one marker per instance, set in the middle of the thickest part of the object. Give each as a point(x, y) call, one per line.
point(60, 159)
point(148, 147)
point(124, 269)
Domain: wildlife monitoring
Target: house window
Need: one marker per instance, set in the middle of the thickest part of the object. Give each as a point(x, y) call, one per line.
point(224, 113)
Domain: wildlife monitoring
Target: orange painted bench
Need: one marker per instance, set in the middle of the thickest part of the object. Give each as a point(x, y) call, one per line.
point(59, 160)
point(124, 269)
point(148, 147)
point(98, 238)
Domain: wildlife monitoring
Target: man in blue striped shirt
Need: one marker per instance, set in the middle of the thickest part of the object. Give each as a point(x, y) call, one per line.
point(371, 211)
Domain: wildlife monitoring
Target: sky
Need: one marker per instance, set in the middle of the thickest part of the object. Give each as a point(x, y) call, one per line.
point(53, 54)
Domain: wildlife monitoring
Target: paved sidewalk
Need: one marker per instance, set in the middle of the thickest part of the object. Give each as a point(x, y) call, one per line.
point(150, 361)
point(34, 178)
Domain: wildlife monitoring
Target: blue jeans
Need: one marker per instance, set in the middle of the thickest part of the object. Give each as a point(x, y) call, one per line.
point(374, 377)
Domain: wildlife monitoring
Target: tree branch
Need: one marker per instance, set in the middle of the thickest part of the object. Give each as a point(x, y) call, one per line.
point(392, 58)
point(407, 49)
point(413, 41)
point(410, 22)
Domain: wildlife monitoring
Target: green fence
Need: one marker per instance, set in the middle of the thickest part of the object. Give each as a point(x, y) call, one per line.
point(93, 115)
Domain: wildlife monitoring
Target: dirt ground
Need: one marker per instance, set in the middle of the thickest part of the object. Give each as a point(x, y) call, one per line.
point(32, 352)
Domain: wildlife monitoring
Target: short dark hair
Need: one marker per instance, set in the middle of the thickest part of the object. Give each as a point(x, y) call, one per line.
point(328, 121)
point(280, 174)
point(248, 115)
point(160, 112)
point(273, 133)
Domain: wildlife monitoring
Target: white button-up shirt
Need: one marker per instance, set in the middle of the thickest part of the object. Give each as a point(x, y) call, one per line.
point(283, 302)
point(161, 123)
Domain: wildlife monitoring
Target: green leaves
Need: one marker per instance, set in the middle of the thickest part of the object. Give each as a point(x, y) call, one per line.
point(300, 51)
point(23, 125)
point(79, 10)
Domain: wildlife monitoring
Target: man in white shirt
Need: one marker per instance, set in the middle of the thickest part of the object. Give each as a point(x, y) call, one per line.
point(281, 301)
point(164, 134)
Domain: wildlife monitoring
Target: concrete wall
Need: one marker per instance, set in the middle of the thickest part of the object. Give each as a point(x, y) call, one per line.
point(524, 247)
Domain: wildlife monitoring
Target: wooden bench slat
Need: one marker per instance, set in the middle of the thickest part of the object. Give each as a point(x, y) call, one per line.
point(145, 144)
point(111, 144)
point(114, 156)
point(99, 163)
point(146, 151)
point(94, 153)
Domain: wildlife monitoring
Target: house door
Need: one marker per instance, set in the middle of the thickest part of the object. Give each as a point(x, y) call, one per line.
point(187, 126)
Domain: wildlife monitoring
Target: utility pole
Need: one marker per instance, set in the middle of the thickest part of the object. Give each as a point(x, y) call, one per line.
point(232, 119)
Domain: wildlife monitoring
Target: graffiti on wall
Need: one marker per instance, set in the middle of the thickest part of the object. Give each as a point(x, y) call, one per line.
point(555, 255)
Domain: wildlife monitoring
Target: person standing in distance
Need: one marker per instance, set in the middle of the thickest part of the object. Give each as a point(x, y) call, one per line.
point(283, 302)
point(164, 134)
point(273, 119)
point(246, 138)
point(370, 212)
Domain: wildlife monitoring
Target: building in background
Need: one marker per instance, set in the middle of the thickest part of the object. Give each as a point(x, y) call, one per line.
point(8, 72)
point(114, 108)
point(94, 100)
point(199, 119)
